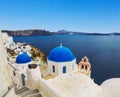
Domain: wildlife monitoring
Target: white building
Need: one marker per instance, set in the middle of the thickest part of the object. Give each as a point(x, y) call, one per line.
point(23, 72)
point(21, 64)
point(21, 47)
point(61, 60)
point(17, 47)
point(6, 83)
point(69, 82)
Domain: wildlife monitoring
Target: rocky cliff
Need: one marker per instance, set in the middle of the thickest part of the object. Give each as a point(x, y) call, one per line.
point(35, 32)
point(39, 32)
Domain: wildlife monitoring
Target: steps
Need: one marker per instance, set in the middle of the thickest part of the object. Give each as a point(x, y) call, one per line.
point(35, 95)
point(26, 92)
point(21, 90)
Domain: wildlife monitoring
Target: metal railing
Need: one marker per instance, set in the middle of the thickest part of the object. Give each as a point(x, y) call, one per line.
point(12, 66)
point(8, 90)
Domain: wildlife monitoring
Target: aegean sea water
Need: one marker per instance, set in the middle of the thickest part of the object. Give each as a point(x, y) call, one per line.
point(103, 51)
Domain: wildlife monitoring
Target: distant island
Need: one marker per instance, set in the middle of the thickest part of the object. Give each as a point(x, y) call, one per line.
point(31, 32)
point(40, 32)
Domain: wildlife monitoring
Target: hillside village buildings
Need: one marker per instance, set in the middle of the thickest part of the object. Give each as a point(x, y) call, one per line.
point(60, 77)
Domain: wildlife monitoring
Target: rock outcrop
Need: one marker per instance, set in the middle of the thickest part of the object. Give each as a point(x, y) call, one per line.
point(32, 32)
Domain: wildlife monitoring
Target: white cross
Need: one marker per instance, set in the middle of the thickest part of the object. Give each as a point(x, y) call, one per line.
point(60, 44)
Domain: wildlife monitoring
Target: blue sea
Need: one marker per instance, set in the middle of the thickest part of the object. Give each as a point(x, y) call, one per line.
point(103, 51)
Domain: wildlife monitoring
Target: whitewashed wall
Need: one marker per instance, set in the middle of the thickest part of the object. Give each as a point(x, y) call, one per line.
point(70, 66)
point(5, 73)
point(33, 76)
point(48, 90)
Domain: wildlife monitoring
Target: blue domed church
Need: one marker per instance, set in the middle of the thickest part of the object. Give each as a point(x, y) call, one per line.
point(22, 61)
point(21, 64)
point(23, 58)
point(61, 60)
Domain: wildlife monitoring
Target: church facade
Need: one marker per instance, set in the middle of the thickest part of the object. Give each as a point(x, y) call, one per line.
point(61, 60)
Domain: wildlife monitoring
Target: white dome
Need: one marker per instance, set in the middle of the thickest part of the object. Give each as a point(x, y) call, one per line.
point(61, 54)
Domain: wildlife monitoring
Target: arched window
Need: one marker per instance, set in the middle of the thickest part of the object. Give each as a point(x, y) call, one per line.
point(86, 67)
point(64, 69)
point(84, 59)
point(53, 68)
point(82, 66)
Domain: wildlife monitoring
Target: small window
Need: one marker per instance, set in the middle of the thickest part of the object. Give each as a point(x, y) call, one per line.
point(23, 79)
point(84, 59)
point(53, 68)
point(64, 69)
point(82, 66)
point(86, 67)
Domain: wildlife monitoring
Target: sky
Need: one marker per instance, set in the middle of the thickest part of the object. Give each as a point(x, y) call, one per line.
point(91, 16)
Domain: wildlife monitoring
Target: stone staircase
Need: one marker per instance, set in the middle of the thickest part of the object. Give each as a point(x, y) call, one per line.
point(26, 92)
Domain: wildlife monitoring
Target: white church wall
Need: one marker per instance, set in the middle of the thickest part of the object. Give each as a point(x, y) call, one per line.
point(33, 76)
point(50, 66)
point(21, 69)
point(70, 66)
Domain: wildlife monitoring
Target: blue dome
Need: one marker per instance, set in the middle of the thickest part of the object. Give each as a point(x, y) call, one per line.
point(61, 54)
point(23, 58)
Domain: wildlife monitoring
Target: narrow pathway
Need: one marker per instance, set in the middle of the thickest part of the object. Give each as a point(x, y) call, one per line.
point(26, 92)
